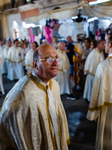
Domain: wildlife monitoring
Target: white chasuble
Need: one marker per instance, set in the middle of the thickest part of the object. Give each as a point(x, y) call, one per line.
point(63, 74)
point(29, 61)
point(33, 117)
point(5, 65)
point(101, 105)
point(16, 62)
point(92, 61)
point(1, 59)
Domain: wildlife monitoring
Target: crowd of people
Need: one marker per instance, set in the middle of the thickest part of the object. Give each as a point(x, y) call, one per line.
point(32, 115)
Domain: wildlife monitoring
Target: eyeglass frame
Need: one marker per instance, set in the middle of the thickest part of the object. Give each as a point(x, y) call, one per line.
point(55, 59)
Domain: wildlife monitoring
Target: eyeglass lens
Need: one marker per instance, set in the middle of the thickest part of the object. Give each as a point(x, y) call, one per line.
point(51, 60)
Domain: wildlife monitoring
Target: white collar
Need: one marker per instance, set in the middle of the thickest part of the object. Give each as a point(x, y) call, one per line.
point(32, 50)
point(38, 79)
point(110, 55)
point(59, 50)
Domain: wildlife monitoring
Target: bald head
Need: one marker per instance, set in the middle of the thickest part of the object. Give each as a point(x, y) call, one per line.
point(42, 68)
point(43, 47)
point(61, 46)
point(42, 50)
point(8, 43)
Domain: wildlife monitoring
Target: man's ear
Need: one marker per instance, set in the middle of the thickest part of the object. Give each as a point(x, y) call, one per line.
point(35, 64)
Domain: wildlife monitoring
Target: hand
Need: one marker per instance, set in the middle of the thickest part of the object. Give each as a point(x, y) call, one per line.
point(67, 51)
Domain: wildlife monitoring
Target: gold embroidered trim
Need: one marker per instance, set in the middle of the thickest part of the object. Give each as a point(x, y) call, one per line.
point(89, 72)
point(59, 130)
point(99, 60)
point(50, 121)
point(60, 70)
point(29, 66)
point(4, 102)
point(59, 51)
point(15, 61)
point(68, 141)
point(109, 57)
point(97, 50)
point(42, 87)
point(100, 107)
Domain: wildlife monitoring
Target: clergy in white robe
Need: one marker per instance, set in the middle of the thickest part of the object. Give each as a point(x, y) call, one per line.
point(1, 65)
point(29, 57)
point(32, 115)
point(100, 107)
point(63, 74)
point(5, 52)
point(92, 61)
point(16, 62)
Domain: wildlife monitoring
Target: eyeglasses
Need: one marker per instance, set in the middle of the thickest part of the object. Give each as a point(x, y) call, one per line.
point(51, 60)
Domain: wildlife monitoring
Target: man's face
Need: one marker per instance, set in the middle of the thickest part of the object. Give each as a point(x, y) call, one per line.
point(87, 44)
point(24, 46)
point(69, 40)
point(106, 46)
point(53, 40)
point(92, 45)
point(8, 43)
point(47, 71)
point(16, 43)
point(63, 46)
point(101, 46)
point(33, 46)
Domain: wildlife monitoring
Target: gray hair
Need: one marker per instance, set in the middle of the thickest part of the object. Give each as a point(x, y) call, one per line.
point(35, 55)
point(98, 42)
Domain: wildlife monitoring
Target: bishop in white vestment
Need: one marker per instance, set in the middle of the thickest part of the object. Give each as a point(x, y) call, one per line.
point(100, 107)
point(29, 58)
point(16, 60)
point(63, 74)
point(32, 115)
point(92, 61)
